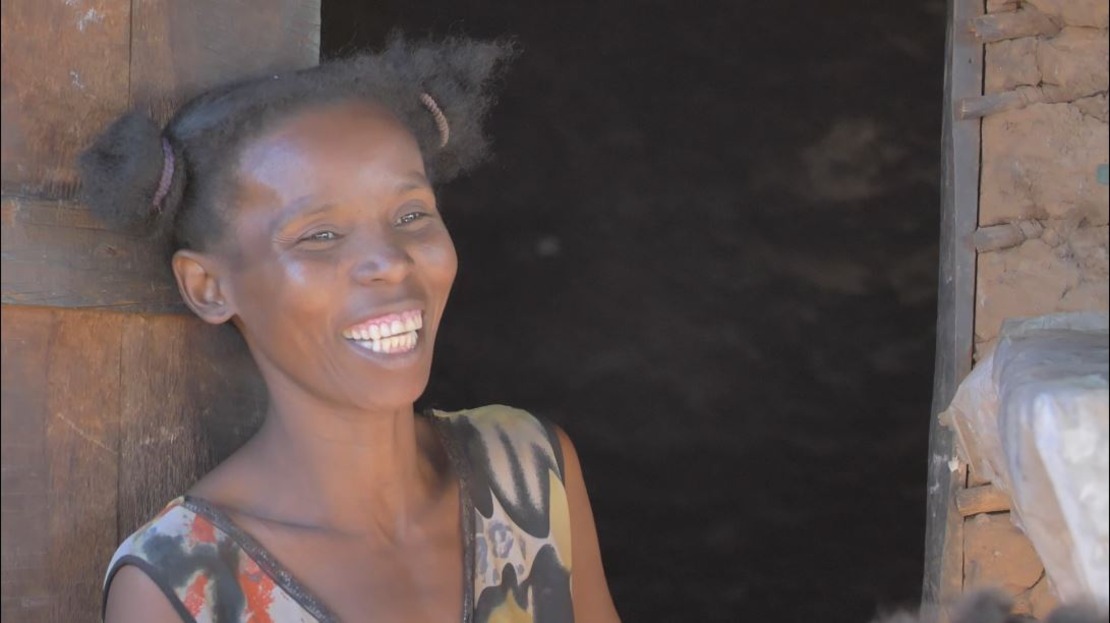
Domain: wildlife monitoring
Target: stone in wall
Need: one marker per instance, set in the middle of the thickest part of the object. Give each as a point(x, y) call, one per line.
point(1041, 162)
point(1012, 63)
point(1066, 269)
point(1093, 106)
point(1091, 13)
point(1075, 62)
point(998, 554)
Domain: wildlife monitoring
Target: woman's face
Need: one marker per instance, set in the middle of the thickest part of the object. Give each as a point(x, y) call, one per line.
point(341, 265)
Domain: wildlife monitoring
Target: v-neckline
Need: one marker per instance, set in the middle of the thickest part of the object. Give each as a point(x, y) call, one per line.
point(300, 593)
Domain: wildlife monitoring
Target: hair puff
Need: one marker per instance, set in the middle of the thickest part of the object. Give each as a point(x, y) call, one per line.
point(122, 170)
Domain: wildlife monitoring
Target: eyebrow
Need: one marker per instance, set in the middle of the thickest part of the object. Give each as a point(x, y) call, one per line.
point(413, 181)
point(296, 209)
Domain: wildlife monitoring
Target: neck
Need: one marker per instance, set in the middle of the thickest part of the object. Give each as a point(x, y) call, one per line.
point(349, 471)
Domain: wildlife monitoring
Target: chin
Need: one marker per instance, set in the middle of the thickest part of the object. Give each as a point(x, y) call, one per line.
point(395, 395)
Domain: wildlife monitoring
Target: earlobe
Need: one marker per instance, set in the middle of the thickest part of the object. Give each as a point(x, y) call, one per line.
point(200, 281)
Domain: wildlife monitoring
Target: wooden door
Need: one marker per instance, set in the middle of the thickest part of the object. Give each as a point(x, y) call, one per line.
point(113, 399)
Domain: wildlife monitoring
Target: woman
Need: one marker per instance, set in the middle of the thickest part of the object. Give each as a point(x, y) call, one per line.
point(301, 209)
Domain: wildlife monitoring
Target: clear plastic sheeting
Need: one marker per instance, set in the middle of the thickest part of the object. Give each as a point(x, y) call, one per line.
point(1034, 418)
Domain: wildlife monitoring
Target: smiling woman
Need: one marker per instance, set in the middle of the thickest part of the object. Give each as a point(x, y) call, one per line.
point(300, 208)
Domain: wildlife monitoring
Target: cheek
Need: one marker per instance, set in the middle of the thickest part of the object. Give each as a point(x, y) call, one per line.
point(281, 289)
point(440, 263)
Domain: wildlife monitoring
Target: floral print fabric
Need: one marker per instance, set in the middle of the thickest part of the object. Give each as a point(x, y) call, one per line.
point(516, 537)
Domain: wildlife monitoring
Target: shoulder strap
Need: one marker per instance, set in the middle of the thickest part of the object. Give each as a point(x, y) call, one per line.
point(203, 571)
point(522, 538)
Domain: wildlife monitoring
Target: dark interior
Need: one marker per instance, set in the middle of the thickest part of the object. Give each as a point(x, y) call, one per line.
point(707, 247)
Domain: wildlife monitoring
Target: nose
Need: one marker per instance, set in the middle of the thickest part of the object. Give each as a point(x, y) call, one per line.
point(381, 258)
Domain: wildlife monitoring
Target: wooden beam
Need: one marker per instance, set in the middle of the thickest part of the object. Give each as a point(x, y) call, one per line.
point(982, 499)
point(960, 142)
point(56, 254)
point(1025, 22)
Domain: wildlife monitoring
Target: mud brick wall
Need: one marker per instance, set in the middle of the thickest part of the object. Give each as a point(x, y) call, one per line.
point(1043, 213)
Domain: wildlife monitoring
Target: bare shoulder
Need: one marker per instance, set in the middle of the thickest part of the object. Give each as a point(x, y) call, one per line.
point(134, 598)
point(592, 601)
point(234, 479)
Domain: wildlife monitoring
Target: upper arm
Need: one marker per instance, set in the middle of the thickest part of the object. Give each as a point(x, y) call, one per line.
point(592, 601)
point(134, 598)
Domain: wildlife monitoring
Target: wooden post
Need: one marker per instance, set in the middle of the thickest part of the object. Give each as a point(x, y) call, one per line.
point(963, 77)
point(110, 406)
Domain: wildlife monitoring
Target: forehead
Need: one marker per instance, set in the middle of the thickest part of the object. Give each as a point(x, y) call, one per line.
point(344, 144)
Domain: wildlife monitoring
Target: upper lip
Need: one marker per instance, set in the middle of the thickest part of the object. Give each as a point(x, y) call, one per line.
point(385, 310)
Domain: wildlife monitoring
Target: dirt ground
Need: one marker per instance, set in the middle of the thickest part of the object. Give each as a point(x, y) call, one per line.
point(707, 248)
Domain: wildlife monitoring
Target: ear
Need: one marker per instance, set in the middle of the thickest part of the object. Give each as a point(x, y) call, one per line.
point(201, 280)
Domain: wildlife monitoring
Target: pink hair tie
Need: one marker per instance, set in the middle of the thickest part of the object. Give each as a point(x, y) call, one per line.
point(167, 175)
point(440, 118)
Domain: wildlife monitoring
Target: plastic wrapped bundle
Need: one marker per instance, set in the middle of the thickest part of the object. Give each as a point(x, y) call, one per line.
point(1034, 418)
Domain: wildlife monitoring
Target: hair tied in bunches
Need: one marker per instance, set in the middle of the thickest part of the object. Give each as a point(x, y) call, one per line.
point(167, 175)
point(441, 119)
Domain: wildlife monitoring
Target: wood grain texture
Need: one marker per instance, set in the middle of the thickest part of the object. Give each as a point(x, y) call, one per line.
point(192, 396)
point(64, 75)
point(960, 142)
point(82, 440)
point(106, 417)
point(24, 575)
point(982, 499)
point(60, 413)
point(56, 254)
point(181, 48)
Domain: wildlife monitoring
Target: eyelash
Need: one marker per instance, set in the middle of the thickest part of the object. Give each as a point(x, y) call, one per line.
point(331, 236)
point(411, 217)
point(321, 236)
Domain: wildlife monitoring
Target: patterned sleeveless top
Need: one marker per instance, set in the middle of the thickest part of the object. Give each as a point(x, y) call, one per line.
point(514, 517)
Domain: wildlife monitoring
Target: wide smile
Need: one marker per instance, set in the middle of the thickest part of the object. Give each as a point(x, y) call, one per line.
point(391, 334)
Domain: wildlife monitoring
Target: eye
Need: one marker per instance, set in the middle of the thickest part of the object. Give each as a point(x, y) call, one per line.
point(320, 236)
point(411, 217)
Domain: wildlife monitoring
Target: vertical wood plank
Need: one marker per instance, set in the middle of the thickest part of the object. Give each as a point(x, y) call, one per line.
point(25, 336)
point(192, 396)
point(64, 74)
point(960, 142)
point(182, 48)
point(60, 438)
point(160, 448)
point(82, 434)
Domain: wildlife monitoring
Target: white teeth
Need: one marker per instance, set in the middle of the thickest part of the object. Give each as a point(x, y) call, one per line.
point(389, 336)
point(402, 343)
